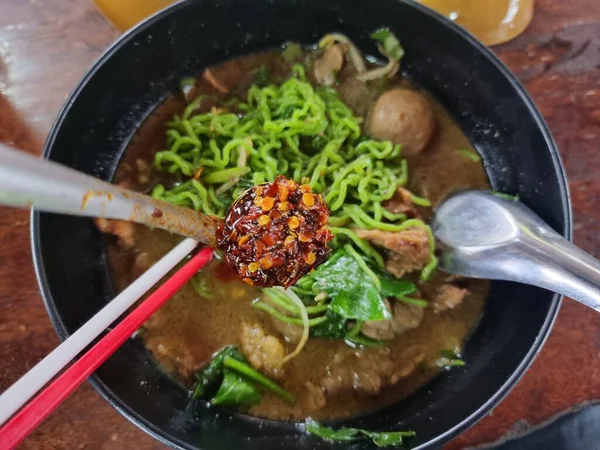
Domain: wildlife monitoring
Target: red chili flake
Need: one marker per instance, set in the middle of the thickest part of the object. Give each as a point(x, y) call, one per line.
point(277, 248)
point(157, 212)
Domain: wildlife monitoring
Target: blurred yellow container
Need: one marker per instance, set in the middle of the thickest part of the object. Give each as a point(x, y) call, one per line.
point(491, 21)
point(126, 13)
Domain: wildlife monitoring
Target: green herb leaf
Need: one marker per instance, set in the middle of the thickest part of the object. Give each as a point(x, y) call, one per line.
point(392, 286)
point(381, 439)
point(244, 369)
point(210, 376)
point(235, 390)
point(340, 435)
point(391, 438)
point(332, 328)
point(389, 42)
point(354, 294)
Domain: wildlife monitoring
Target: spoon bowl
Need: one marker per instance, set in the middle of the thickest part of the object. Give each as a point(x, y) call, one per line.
point(486, 235)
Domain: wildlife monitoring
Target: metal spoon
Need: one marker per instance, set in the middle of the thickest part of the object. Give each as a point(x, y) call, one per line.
point(485, 236)
point(47, 186)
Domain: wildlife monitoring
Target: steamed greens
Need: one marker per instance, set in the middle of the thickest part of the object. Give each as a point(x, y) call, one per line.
point(353, 293)
point(236, 391)
point(379, 438)
point(349, 287)
point(229, 380)
point(390, 44)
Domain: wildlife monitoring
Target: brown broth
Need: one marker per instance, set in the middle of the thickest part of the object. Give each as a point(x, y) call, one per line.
point(185, 332)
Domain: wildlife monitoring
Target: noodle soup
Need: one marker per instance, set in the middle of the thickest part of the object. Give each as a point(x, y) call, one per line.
point(381, 321)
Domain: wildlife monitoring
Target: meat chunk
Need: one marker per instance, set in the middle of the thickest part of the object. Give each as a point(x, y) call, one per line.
point(365, 371)
point(142, 261)
point(212, 79)
point(404, 117)
point(264, 352)
point(120, 228)
point(448, 296)
point(401, 203)
point(369, 371)
point(406, 250)
point(328, 65)
point(314, 398)
point(404, 318)
point(379, 329)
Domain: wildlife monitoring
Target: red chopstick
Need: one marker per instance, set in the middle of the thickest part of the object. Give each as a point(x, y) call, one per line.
point(28, 418)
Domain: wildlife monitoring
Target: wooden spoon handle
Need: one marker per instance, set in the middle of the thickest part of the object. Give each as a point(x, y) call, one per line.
point(27, 181)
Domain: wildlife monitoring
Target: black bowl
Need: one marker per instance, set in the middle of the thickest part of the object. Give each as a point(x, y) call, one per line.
point(145, 64)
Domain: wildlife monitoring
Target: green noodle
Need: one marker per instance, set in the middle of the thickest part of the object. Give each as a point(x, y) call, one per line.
point(292, 129)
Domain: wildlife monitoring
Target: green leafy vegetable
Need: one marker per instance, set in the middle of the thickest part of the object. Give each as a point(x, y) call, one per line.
point(333, 327)
point(236, 391)
point(229, 380)
point(340, 435)
point(354, 294)
point(381, 439)
point(390, 43)
point(349, 293)
point(211, 375)
point(391, 438)
point(394, 287)
point(258, 378)
point(470, 155)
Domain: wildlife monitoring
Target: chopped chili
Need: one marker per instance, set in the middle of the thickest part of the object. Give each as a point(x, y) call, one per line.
point(275, 233)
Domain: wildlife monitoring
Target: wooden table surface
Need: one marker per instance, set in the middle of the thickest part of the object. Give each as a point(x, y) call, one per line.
point(47, 45)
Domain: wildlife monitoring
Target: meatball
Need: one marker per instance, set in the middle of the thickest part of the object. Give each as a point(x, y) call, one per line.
point(403, 117)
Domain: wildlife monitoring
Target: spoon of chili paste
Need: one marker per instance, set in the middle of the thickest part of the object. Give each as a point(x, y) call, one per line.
point(275, 233)
point(272, 235)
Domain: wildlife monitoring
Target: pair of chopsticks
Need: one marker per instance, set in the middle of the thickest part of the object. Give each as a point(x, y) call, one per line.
point(30, 416)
